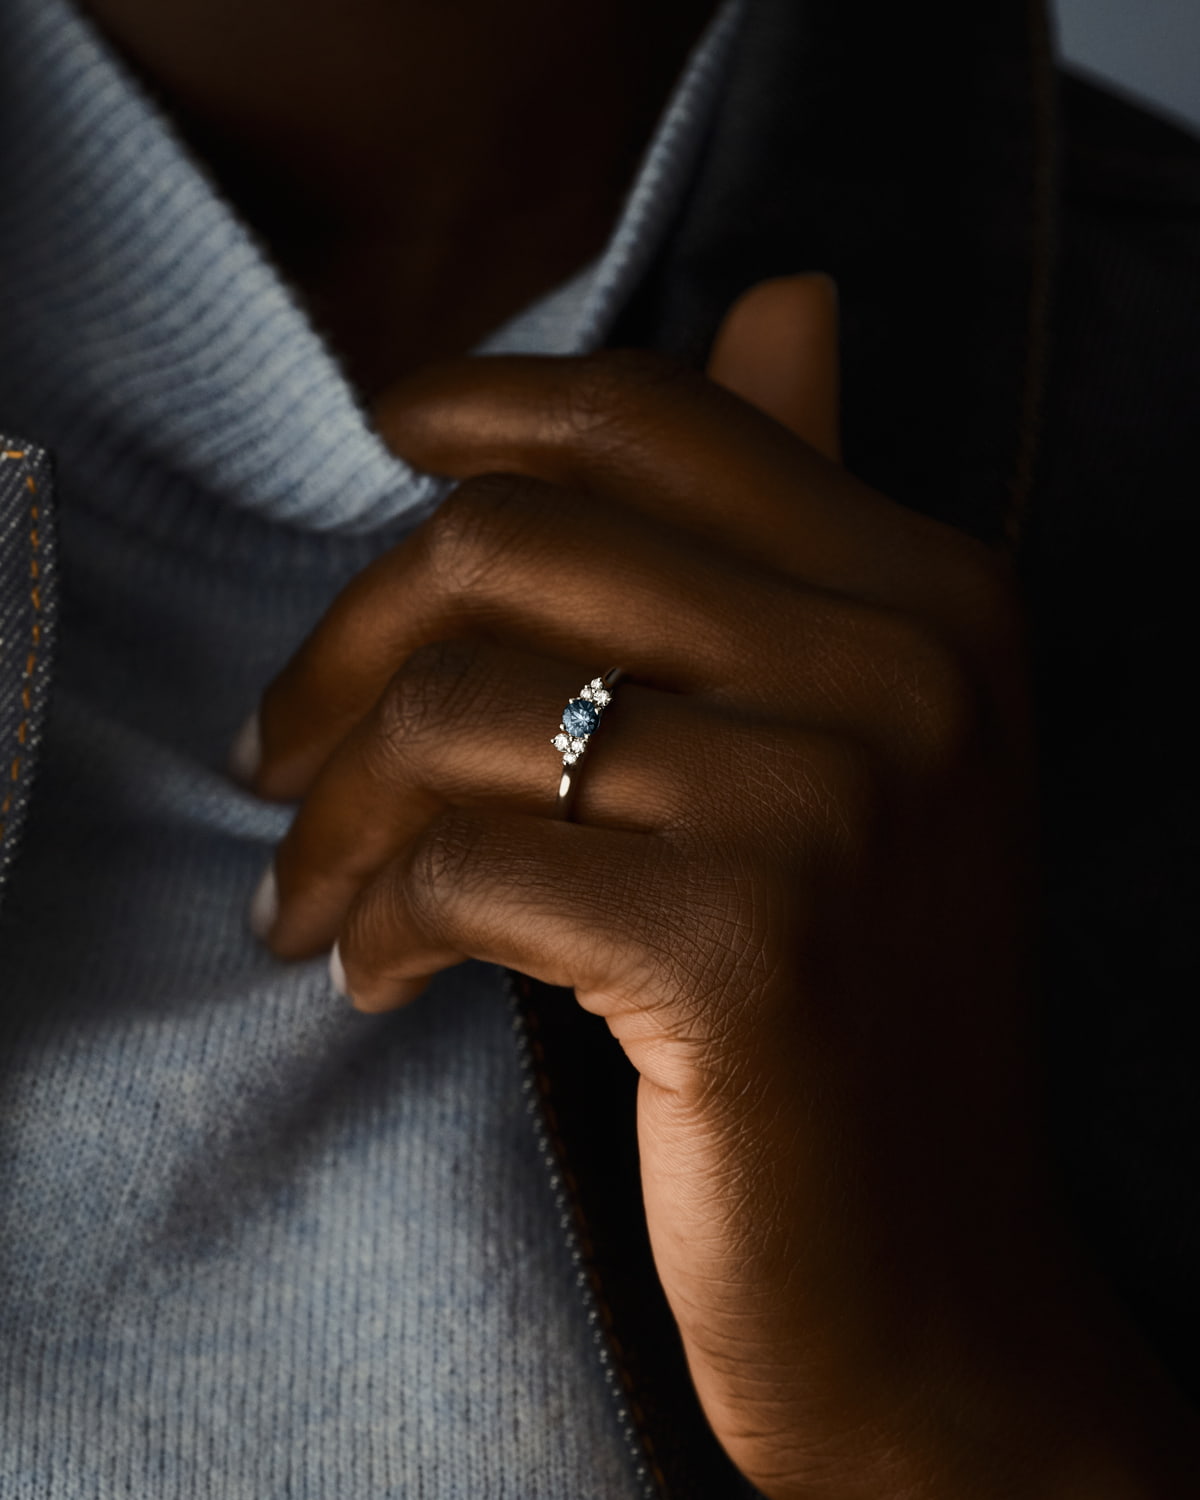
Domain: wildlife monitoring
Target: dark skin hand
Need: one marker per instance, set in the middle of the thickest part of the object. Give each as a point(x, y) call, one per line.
point(796, 882)
point(795, 889)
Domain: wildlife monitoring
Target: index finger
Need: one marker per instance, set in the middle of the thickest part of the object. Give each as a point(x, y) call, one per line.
point(658, 436)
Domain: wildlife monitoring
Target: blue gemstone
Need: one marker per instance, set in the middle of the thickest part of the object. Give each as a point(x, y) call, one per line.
point(579, 718)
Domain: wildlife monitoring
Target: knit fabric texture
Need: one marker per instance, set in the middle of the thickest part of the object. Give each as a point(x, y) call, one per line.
point(253, 1244)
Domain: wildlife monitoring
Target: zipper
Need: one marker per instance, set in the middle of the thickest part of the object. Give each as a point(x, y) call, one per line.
point(538, 1092)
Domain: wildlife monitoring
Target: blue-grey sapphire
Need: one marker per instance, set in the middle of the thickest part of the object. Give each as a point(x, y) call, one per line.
point(580, 717)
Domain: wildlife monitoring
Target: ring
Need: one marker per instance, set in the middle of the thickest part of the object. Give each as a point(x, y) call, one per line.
point(580, 719)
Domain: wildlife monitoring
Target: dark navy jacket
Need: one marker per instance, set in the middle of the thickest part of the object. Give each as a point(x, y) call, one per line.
point(1018, 257)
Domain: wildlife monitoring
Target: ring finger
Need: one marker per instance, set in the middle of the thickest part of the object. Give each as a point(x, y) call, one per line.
point(464, 724)
point(469, 725)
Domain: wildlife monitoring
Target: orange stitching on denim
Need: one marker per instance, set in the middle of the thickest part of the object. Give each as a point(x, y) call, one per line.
point(35, 596)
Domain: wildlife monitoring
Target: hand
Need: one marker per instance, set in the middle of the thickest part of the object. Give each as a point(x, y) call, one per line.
point(795, 885)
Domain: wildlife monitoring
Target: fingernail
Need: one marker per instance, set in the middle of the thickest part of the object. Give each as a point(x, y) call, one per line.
point(264, 905)
point(337, 974)
point(245, 755)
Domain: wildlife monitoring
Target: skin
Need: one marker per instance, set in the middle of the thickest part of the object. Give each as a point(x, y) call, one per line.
point(820, 974)
point(383, 149)
point(796, 883)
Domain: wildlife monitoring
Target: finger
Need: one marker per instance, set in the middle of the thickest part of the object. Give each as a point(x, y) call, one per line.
point(778, 349)
point(451, 731)
point(636, 428)
point(675, 616)
point(585, 908)
point(533, 894)
point(469, 725)
point(520, 562)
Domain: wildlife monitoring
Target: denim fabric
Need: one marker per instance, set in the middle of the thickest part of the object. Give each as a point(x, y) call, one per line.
point(28, 607)
point(251, 1244)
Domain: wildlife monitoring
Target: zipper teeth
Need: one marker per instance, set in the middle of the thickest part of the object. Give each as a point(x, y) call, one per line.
point(535, 1087)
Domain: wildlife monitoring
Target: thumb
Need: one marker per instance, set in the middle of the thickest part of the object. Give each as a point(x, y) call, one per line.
point(778, 349)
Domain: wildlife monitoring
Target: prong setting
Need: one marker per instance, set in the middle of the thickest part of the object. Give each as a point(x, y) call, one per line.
point(580, 719)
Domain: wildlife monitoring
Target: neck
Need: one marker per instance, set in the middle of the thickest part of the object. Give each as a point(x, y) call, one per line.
point(385, 150)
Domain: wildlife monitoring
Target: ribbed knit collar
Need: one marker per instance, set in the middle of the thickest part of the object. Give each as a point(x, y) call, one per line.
point(147, 340)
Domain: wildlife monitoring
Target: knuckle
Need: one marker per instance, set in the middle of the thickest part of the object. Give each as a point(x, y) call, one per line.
point(817, 799)
point(467, 533)
point(424, 698)
point(841, 796)
point(439, 865)
point(608, 389)
point(938, 694)
point(366, 939)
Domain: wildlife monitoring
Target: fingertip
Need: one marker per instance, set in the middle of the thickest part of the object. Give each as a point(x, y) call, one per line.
point(373, 999)
point(264, 905)
point(337, 974)
point(245, 754)
point(778, 349)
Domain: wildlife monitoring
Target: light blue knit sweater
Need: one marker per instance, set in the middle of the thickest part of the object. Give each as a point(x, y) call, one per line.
point(252, 1245)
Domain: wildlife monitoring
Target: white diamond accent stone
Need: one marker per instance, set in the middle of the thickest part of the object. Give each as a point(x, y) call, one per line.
point(570, 758)
point(561, 741)
point(578, 746)
point(602, 697)
point(585, 692)
point(596, 684)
